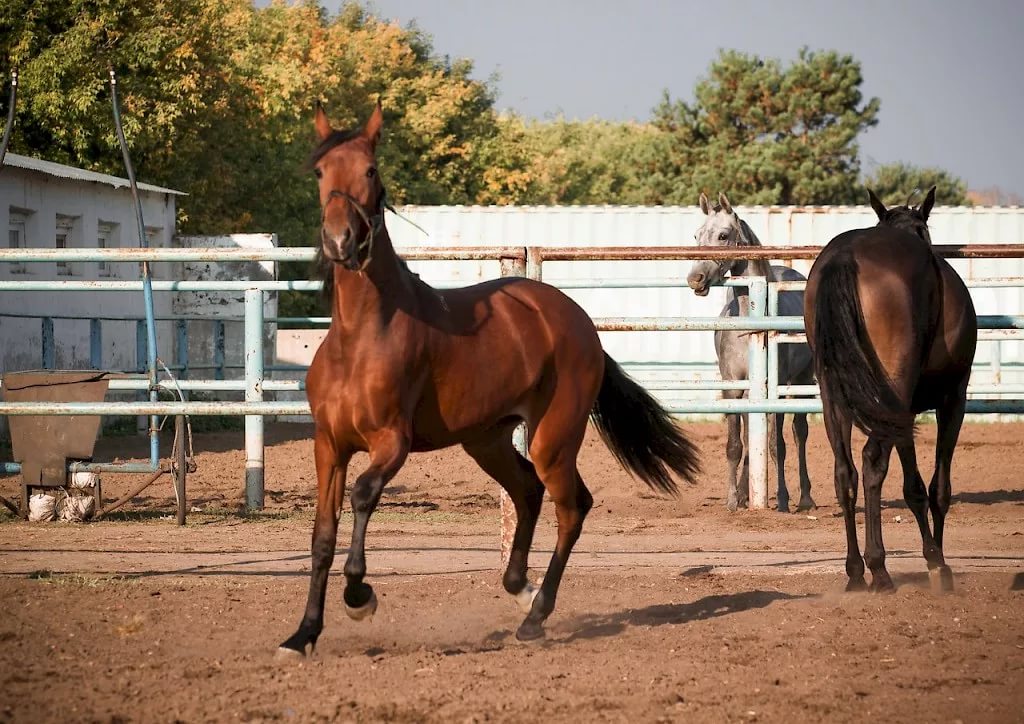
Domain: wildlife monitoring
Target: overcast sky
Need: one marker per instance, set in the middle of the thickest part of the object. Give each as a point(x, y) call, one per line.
point(950, 74)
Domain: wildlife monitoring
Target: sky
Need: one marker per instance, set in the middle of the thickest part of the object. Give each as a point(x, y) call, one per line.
point(949, 74)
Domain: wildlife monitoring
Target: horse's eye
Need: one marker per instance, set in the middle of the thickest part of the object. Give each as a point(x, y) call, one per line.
point(371, 172)
point(724, 236)
point(318, 173)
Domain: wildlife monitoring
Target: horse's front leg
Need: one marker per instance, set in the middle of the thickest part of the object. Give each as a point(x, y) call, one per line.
point(388, 451)
point(331, 467)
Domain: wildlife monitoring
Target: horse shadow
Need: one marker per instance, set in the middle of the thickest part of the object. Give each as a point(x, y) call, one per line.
point(594, 626)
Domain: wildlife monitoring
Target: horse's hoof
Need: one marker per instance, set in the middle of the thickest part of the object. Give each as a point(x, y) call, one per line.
point(524, 599)
point(856, 585)
point(783, 507)
point(941, 579)
point(881, 583)
point(530, 631)
point(286, 655)
point(806, 504)
point(731, 505)
point(366, 611)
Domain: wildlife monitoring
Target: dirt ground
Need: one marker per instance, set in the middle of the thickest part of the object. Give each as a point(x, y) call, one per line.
point(672, 609)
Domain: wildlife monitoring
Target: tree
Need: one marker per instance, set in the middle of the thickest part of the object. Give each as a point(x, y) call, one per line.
point(770, 134)
point(894, 183)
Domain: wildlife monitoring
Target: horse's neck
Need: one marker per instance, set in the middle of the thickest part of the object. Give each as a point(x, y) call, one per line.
point(384, 285)
point(749, 267)
point(756, 267)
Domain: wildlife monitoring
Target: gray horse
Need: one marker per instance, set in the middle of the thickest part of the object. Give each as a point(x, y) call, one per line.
point(724, 228)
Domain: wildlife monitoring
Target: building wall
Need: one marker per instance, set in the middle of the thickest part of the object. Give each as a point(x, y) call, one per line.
point(41, 206)
point(226, 306)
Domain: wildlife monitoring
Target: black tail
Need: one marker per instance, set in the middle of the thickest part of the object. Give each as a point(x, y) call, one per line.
point(641, 435)
point(845, 362)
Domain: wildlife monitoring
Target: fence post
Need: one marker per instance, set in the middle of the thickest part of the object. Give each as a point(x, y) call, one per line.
point(96, 344)
point(49, 346)
point(514, 266)
point(757, 422)
point(182, 352)
point(141, 422)
point(253, 393)
point(218, 349)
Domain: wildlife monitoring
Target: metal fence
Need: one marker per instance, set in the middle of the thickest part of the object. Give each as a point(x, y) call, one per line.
point(764, 394)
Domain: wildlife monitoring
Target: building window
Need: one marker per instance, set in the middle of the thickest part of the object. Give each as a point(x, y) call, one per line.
point(16, 240)
point(65, 240)
point(106, 238)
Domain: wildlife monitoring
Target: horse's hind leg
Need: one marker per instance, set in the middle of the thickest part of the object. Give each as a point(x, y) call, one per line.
point(839, 426)
point(800, 434)
point(875, 465)
point(388, 451)
point(331, 467)
point(498, 458)
point(743, 486)
point(734, 454)
point(950, 416)
point(916, 496)
point(554, 452)
point(779, 453)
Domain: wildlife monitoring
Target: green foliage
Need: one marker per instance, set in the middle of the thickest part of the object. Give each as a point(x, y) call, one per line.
point(769, 134)
point(894, 183)
point(217, 99)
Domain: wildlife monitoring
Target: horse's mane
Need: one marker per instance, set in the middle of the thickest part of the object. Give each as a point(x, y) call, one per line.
point(907, 218)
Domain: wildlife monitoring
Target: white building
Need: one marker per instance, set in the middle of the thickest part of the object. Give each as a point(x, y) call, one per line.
point(49, 205)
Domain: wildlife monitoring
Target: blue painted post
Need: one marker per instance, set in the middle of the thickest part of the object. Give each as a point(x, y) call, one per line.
point(140, 345)
point(218, 349)
point(757, 422)
point(49, 346)
point(96, 344)
point(182, 351)
point(253, 393)
point(141, 424)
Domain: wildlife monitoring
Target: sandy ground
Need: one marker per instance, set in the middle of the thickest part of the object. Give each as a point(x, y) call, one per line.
point(672, 610)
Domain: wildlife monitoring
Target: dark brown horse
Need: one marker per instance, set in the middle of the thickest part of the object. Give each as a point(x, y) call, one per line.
point(406, 368)
point(892, 330)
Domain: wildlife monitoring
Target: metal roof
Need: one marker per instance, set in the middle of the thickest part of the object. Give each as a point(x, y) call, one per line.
point(79, 174)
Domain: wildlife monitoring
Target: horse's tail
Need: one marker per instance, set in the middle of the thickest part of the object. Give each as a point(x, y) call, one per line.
point(845, 362)
point(640, 433)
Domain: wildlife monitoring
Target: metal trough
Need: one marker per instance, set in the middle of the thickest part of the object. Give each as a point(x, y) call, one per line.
point(45, 444)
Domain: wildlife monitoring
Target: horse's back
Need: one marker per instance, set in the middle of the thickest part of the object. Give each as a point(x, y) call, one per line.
point(914, 308)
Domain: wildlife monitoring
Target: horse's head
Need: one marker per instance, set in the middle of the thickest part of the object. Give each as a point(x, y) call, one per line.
point(909, 218)
point(721, 228)
point(352, 197)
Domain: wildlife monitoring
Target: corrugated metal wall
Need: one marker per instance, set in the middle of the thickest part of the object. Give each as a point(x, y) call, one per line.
point(647, 353)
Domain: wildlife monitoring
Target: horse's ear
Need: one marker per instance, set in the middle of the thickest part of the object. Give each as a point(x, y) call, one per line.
point(371, 131)
point(705, 205)
point(929, 202)
point(723, 201)
point(877, 205)
point(323, 126)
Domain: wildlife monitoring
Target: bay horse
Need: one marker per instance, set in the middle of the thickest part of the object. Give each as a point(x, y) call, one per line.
point(724, 227)
point(893, 332)
point(407, 368)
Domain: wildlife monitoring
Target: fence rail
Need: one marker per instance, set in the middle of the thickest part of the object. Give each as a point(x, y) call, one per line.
point(767, 331)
